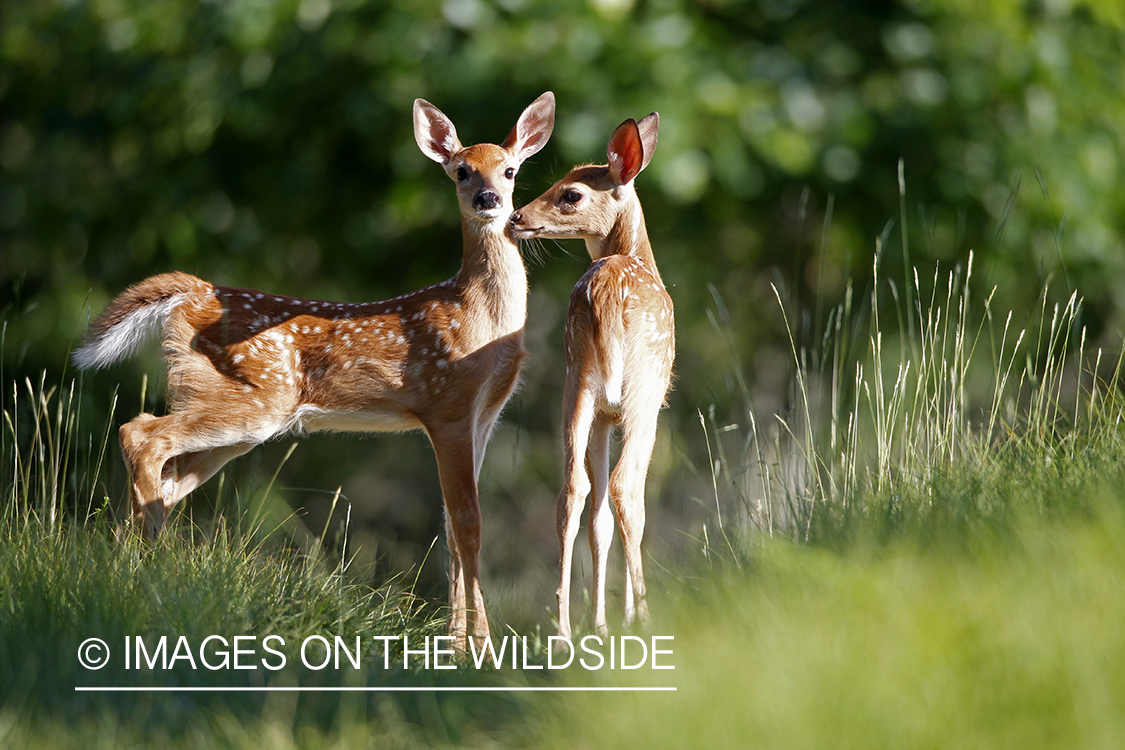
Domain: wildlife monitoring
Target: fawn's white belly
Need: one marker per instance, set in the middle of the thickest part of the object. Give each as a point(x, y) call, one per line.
point(311, 418)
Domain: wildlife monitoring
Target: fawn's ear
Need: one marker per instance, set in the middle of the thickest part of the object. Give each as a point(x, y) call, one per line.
point(626, 152)
point(533, 128)
point(647, 128)
point(434, 132)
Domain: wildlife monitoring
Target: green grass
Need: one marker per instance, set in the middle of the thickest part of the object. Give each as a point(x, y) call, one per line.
point(69, 570)
point(926, 551)
point(62, 586)
point(1001, 629)
point(995, 623)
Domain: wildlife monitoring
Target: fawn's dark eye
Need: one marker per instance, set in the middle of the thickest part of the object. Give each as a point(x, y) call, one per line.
point(572, 196)
point(462, 174)
point(509, 173)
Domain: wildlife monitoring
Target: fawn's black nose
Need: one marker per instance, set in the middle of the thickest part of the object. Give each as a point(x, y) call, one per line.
point(486, 199)
point(515, 218)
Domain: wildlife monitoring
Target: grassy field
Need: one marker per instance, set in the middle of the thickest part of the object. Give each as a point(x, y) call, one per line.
point(1004, 631)
point(907, 559)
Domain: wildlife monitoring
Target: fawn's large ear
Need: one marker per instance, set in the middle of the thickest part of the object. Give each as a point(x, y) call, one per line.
point(434, 132)
point(647, 128)
point(626, 152)
point(533, 128)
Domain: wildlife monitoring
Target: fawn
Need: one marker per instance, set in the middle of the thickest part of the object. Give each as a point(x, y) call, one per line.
point(245, 366)
point(620, 344)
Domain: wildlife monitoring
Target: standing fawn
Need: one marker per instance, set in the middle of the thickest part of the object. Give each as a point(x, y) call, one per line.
point(246, 366)
point(620, 343)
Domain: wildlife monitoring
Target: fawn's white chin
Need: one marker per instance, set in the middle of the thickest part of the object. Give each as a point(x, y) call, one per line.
point(492, 214)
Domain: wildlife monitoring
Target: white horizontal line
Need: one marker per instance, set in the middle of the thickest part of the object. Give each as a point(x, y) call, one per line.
point(447, 689)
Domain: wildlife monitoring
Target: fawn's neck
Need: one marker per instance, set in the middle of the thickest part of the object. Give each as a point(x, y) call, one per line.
point(492, 275)
point(628, 236)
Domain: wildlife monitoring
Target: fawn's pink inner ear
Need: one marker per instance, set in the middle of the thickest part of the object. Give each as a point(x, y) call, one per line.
point(625, 152)
point(443, 140)
point(533, 128)
point(434, 133)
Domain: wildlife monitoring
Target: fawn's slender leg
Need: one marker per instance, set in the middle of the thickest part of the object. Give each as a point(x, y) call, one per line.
point(453, 445)
point(458, 619)
point(601, 515)
point(629, 599)
point(168, 457)
point(627, 487)
point(186, 472)
point(144, 478)
point(578, 412)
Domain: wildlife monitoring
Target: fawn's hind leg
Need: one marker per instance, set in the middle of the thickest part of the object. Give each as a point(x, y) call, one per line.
point(578, 414)
point(601, 516)
point(168, 457)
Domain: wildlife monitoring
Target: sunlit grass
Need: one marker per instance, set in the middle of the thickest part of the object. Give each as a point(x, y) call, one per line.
point(980, 607)
point(60, 588)
point(1017, 644)
point(878, 411)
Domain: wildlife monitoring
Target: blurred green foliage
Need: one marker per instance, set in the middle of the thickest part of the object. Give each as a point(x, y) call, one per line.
point(268, 144)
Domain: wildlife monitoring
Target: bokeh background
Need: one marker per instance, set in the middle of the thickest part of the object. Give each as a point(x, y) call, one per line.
point(268, 144)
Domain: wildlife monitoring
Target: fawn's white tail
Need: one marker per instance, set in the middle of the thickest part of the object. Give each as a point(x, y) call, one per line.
point(245, 366)
point(132, 319)
point(620, 344)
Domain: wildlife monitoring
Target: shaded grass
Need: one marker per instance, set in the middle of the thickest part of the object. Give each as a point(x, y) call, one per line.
point(69, 571)
point(59, 588)
point(80, 582)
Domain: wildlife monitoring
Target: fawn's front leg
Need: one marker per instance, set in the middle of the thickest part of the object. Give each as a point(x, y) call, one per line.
point(601, 516)
point(453, 446)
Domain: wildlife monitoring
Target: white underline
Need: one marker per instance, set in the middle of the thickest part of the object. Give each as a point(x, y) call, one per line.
point(290, 689)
